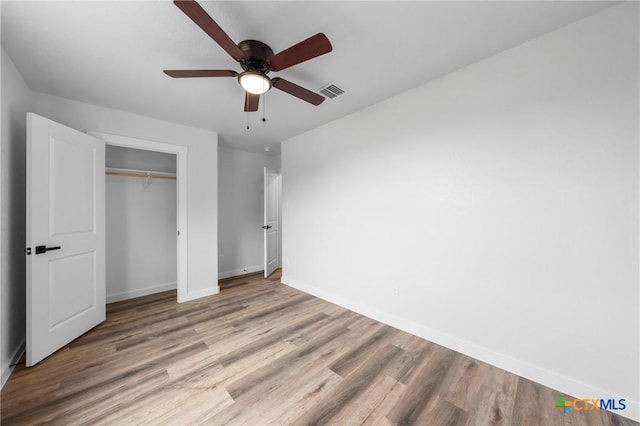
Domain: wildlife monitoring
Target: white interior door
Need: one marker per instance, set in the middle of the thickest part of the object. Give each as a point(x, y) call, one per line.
point(65, 235)
point(271, 214)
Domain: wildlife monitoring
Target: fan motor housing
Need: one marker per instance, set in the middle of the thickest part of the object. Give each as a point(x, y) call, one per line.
point(257, 56)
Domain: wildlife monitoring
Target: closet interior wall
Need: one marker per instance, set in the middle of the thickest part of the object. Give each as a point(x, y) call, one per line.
point(141, 242)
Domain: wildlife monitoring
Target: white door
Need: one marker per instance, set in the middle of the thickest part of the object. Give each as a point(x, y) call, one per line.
point(271, 214)
point(65, 235)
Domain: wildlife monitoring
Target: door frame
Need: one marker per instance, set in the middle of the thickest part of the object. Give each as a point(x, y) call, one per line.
point(181, 153)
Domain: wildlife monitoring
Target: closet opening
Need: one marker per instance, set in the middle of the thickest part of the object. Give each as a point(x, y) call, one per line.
point(171, 157)
point(141, 222)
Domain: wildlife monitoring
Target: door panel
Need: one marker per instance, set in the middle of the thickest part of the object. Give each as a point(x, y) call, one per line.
point(71, 194)
point(71, 275)
point(65, 213)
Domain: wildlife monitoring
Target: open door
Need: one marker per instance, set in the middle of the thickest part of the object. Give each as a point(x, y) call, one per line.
point(65, 235)
point(271, 215)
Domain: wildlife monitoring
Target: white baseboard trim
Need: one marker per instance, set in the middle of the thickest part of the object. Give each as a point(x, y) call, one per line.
point(141, 292)
point(551, 379)
point(240, 271)
point(15, 357)
point(192, 295)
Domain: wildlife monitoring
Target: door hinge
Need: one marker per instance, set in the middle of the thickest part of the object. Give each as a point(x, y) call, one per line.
point(27, 251)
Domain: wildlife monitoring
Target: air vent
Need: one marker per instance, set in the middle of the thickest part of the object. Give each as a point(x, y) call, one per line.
point(331, 90)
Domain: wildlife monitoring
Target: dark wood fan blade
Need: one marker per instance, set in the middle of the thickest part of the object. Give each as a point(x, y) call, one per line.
point(297, 91)
point(251, 102)
point(202, 19)
point(307, 49)
point(200, 73)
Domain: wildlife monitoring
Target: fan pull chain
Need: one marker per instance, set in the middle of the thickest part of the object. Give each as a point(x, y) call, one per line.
point(246, 108)
point(264, 107)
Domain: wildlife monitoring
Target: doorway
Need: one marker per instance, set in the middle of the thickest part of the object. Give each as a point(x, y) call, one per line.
point(271, 226)
point(180, 153)
point(140, 214)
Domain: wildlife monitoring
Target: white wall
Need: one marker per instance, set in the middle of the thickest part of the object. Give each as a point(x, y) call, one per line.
point(501, 200)
point(139, 159)
point(202, 174)
point(240, 205)
point(15, 104)
point(141, 225)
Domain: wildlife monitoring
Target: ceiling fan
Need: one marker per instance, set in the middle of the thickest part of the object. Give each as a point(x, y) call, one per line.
point(256, 59)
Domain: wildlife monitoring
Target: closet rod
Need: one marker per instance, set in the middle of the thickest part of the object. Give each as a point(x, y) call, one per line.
point(139, 173)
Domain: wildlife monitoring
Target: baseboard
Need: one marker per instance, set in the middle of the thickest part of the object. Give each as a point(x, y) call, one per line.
point(192, 295)
point(551, 379)
point(141, 292)
point(15, 357)
point(240, 271)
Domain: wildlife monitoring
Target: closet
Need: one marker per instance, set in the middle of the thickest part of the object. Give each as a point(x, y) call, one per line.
point(141, 237)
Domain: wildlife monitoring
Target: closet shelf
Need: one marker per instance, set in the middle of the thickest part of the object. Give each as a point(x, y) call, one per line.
point(139, 173)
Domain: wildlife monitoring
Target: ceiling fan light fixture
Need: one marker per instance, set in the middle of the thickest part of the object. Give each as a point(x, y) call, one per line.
point(254, 82)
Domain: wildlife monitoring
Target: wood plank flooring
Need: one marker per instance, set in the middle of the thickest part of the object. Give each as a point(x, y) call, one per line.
point(262, 353)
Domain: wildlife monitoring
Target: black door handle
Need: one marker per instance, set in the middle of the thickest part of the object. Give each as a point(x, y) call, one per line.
point(44, 249)
point(267, 227)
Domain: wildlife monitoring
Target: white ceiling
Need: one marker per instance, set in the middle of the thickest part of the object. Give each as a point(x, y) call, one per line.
point(112, 54)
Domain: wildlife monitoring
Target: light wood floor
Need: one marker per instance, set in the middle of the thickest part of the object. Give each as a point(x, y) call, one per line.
point(262, 353)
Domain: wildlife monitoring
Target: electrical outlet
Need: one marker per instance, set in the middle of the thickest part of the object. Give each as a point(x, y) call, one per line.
point(395, 290)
